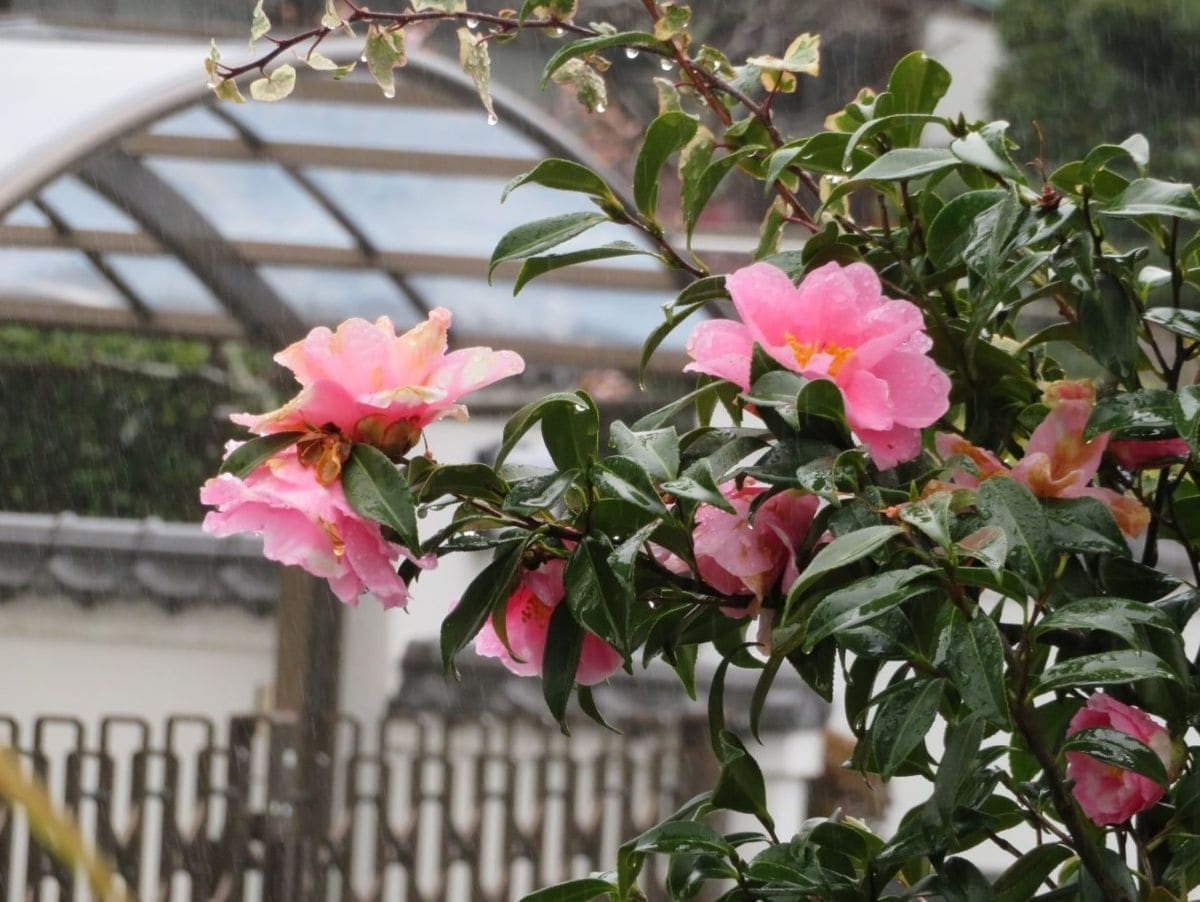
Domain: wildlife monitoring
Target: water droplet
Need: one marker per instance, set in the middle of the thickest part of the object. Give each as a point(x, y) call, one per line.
point(493, 118)
point(363, 58)
point(290, 758)
point(472, 23)
point(631, 53)
point(556, 32)
point(665, 64)
point(600, 108)
point(389, 93)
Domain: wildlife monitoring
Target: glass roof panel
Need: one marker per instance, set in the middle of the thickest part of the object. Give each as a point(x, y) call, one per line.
point(451, 214)
point(446, 130)
point(561, 313)
point(251, 201)
point(57, 276)
point(26, 214)
point(194, 122)
point(322, 295)
point(164, 284)
point(83, 208)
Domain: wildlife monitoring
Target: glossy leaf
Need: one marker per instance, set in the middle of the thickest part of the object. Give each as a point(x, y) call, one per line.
point(576, 49)
point(841, 551)
point(655, 450)
point(585, 889)
point(666, 135)
point(1020, 882)
point(1143, 414)
point(534, 237)
point(249, 456)
point(564, 646)
point(1180, 321)
point(1104, 669)
point(916, 85)
point(862, 601)
point(974, 660)
point(375, 489)
point(903, 721)
point(1008, 505)
point(534, 412)
point(562, 175)
point(1187, 416)
point(1121, 617)
point(490, 588)
point(1118, 749)
point(1154, 197)
point(539, 266)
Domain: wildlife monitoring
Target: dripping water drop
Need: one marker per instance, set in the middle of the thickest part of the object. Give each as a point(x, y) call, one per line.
point(556, 32)
point(631, 53)
point(472, 23)
point(666, 65)
point(492, 119)
point(600, 108)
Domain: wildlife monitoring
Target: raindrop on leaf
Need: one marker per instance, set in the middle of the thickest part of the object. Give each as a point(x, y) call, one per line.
point(631, 53)
point(665, 64)
point(472, 23)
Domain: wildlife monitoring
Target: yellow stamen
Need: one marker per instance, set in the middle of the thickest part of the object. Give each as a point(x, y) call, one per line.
point(805, 351)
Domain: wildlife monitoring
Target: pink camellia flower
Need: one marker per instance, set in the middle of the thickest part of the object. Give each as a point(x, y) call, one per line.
point(736, 553)
point(375, 386)
point(1134, 454)
point(836, 325)
point(1058, 461)
point(311, 525)
point(1106, 793)
point(527, 621)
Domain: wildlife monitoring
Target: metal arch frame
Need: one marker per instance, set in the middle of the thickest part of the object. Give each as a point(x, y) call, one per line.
point(235, 282)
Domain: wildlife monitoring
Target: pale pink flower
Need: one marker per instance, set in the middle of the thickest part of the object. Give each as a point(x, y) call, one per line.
point(310, 525)
point(741, 553)
point(527, 622)
point(1058, 461)
point(836, 325)
point(1109, 794)
point(1137, 454)
point(379, 387)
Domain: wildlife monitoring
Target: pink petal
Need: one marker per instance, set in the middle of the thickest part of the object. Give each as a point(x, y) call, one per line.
point(889, 447)
point(918, 390)
point(868, 402)
point(721, 348)
point(765, 299)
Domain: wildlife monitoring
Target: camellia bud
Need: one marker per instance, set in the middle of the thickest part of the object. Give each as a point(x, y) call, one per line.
point(395, 439)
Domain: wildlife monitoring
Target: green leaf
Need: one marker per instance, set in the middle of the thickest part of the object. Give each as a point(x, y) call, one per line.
point(593, 45)
point(475, 61)
point(1105, 669)
point(563, 175)
point(740, 785)
point(699, 484)
point(1187, 415)
point(560, 662)
point(901, 125)
point(1120, 750)
point(656, 450)
point(1121, 617)
point(249, 456)
point(275, 86)
point(956, 767)
point(1020, 882)
point(845, 549)
point(907, 163)
point(385, 52)
point(950, 230)
point(623, 478)
point(539, 493)
point(1084, 525)
point(375, 489)
point(228, 90)
point(1180, 321)
point(902, 722)
point(1153, 197)
point(690, 300)
point(595, 596)
point(538, 266)
point(679, 837)
point(1147, 413)
point(931, 516)
point(1108, 324)
point(987, 149)
point(917, 84)
point(1007, 504)
point(541, 235)
point(446, 6)
point(571, 432)
point(697, 193)
point(667, 134)
point(488, 590)
point(862, 601)
point(583, 890)
point(988, 545)
point(974, 655)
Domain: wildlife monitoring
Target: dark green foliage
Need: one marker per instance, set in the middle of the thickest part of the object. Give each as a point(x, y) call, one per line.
point(111, 425)
point(1140, 58)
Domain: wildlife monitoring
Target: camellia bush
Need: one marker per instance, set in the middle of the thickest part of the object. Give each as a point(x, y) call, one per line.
point(945, 452)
